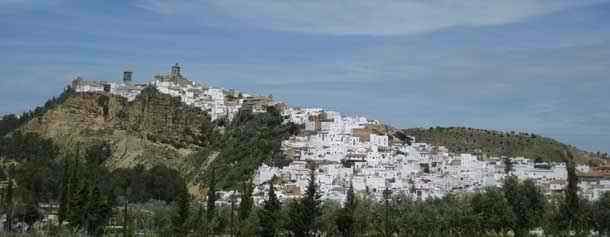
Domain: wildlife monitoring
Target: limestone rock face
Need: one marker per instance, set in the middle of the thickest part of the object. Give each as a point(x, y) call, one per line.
point(153, 128)
point(163, 118)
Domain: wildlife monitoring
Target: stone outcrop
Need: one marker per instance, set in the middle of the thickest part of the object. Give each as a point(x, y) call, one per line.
point(153, 128)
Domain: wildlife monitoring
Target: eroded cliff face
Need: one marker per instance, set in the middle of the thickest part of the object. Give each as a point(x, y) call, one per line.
point(154, 128)
point(163, 118)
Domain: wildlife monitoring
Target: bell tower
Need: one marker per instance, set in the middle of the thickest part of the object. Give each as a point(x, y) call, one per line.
point(175, 73)
point(127, 76)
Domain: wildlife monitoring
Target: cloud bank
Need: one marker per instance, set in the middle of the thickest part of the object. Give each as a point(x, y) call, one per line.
point(367, 17)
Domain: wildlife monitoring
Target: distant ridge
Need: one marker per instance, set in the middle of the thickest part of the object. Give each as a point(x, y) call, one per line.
point(496, 143)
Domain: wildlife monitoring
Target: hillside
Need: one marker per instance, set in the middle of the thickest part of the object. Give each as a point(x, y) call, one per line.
point(154, 128)
point(158, 129)
point(495, 143)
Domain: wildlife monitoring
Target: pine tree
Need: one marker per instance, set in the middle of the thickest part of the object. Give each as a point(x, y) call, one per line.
point(268, 216)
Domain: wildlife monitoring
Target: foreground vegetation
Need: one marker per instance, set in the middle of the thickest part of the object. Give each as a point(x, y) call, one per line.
point(519, 209)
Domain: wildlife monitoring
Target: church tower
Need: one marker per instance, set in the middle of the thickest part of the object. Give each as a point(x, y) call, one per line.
point(127, 76)
point(175, 73)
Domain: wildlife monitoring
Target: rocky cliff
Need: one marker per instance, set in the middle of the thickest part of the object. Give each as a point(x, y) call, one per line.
point(153, 128)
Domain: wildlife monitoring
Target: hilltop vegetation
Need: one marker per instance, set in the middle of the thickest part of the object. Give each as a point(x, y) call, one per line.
point(11, 122)
point(249, 141)
point(495, 143)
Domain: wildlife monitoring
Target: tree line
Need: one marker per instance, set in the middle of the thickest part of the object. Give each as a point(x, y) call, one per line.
point(76, 186)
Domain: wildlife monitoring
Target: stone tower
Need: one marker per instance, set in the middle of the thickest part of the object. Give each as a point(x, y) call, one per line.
point(175, 73)
point(127, 76)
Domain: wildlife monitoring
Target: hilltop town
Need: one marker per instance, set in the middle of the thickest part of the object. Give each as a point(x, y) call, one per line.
point(353, 151)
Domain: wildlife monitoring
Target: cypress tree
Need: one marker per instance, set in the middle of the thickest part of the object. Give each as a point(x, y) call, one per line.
point(296, 224)
point(268, 216)
point(508, 165)
point(571, 192)
point(65, 191)
point(211, 202)
point(77, 196)
point(246, 204)
point(304, 214)
point(181, 216)
point(311, 206)
point(233, 199)
point(8, 202)
point(97, 212)
point(345, 220)
point(601, 214)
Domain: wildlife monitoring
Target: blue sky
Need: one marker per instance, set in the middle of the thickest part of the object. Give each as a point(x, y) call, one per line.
point(539, 66)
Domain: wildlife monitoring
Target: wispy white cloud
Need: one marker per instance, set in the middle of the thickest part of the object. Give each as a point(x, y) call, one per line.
point(378, 17)
point(164, 7)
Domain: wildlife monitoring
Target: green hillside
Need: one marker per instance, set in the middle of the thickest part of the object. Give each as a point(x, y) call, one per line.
point(495, 143)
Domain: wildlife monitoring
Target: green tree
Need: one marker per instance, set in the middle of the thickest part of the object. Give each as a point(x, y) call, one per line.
point(8, 204)
point(305, 214)
point(211, 202)
point(601, 214)
point(570, 210)
point(387, 196)
point(345, 218)
point(65, 191)
point(269, 215)
point(362, 215)
point(246, 204)
point(89, 196)
point(508, 165)
point(296, 223)
point(181, 216)
point(97, 212)
point(28, 212)
point(492, 210)
point(330, 209)
point(527, 204)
